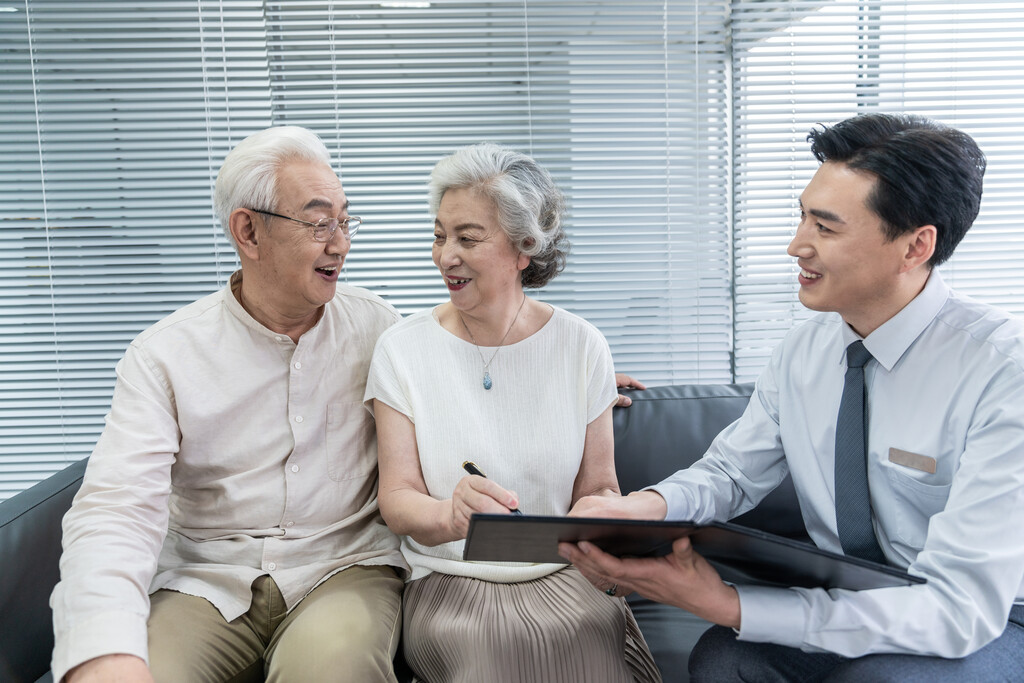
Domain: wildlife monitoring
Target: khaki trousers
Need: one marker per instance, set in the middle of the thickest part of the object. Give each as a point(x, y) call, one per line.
point(346, 629)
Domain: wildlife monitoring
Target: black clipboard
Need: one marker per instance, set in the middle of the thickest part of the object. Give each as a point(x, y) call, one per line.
point(740, 554)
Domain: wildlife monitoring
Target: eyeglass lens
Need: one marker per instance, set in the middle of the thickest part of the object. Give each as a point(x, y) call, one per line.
point(324, 229)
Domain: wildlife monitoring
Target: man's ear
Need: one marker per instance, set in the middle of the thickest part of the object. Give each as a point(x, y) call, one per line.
point(920, 247)
point(243, 230)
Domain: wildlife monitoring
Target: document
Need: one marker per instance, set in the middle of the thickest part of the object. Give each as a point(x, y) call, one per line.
point(740, 554)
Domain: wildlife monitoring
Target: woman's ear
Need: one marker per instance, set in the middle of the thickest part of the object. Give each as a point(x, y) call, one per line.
point(243, 229)
point(523, 261)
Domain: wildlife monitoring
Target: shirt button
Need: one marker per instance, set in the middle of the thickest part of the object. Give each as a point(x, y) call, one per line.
point(282, 338)
point(290, 524)
point(295, 468)
point(298, 365)
point(271, 566)
point(298, 418)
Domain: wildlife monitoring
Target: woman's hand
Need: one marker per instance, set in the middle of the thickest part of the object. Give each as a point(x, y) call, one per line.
point(473, 494)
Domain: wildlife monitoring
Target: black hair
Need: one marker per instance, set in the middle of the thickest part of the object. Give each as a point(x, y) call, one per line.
point(926, 173)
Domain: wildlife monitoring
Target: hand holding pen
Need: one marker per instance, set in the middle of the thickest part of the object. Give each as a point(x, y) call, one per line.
point(471, 467)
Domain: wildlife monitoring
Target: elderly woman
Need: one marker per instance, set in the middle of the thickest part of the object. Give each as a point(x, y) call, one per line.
point(525, 390)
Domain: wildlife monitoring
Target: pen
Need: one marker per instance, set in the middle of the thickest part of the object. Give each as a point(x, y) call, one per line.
point(471, 467)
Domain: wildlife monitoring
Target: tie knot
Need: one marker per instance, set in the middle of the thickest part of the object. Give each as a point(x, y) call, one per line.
point(857, 355)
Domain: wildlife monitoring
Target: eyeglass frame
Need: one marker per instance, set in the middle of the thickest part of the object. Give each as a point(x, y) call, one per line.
point(348, 233)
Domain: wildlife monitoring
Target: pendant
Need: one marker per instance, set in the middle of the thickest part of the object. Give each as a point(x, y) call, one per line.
point(487, 381)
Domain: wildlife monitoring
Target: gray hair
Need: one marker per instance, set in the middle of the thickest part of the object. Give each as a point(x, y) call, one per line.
point(530, 206)
point(248, 176)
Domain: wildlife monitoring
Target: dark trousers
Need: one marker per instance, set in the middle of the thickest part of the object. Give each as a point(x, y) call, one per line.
point(719, 657)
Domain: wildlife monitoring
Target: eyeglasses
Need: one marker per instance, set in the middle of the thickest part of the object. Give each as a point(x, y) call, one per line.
point(324, 229)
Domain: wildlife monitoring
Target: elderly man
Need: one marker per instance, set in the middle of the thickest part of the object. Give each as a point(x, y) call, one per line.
point(227, 527)
point(899, 413)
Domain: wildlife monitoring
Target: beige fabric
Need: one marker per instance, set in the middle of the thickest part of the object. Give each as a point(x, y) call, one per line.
point(556, 628)
point(345, 630)
point(253, 454)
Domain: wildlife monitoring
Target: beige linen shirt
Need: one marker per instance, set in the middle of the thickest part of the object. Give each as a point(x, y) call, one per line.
point(229, 452)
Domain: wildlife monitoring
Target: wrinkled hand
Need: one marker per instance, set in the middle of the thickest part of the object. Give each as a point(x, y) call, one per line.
point(682, 578)
point(626, 382)
point(476, 494)
point(111, 669)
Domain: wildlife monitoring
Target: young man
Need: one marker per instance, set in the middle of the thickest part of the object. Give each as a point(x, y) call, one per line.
point(227, 527)
point(908, 448)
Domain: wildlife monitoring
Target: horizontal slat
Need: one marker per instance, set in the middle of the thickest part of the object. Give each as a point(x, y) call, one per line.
point(683, 168)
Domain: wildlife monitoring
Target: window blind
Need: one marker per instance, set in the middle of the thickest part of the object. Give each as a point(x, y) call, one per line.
point(675, 127)
point(123, 113)
point(625, 104)
point(799, 63)
point(116, 116)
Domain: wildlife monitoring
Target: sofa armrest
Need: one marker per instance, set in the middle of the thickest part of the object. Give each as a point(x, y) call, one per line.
point(30, 545)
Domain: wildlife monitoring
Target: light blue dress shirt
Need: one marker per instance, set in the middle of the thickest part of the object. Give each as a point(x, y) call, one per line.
point(947, 383)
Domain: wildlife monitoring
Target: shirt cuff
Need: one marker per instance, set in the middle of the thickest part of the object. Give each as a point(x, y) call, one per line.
point(677, 506)
point(772, 615)
point(109, 633)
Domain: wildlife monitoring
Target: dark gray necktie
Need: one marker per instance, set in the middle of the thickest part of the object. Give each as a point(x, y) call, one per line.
point(853, 503)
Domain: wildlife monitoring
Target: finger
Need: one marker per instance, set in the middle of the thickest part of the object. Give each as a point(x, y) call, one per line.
point(483, 495)
point(572, 553)
point(623, 401)
point(596, 578)
point(682, 548)
point(567, 551)
point(606, 564)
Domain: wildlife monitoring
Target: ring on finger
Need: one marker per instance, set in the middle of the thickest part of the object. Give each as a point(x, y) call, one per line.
point(614, 589)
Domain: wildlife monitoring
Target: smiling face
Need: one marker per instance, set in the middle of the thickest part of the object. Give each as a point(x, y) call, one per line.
point(480, 265)
point(291, 275)
point(846, 263)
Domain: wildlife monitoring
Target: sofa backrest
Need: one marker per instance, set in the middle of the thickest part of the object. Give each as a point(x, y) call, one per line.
point(669, 428)
point(666, 429)
point(30, 545)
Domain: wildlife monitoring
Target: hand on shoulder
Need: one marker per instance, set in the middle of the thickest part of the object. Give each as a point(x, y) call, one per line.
point(119, 668)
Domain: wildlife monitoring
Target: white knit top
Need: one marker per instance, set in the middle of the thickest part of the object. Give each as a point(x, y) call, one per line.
point(526, 433)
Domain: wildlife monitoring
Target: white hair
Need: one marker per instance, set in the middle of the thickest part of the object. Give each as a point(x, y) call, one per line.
point(530, 206)
point(248, 176)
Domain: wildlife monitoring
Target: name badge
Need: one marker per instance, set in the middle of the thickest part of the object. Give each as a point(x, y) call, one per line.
point(908, 459)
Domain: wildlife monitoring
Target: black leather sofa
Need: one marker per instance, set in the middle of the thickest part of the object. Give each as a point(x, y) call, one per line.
point(665, 429)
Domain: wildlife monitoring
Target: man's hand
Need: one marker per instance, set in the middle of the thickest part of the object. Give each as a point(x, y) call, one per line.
point(626, 382)
point(111, 669)
point(637, 505)
point(683, 579)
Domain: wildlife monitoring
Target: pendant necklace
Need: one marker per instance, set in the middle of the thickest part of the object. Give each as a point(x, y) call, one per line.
point(488, 383)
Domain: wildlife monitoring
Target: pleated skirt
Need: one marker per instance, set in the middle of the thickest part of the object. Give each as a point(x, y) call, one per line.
point(556, 629)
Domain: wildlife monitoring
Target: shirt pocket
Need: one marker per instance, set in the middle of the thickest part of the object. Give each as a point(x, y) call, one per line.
point(916, 502)
point(350, 442)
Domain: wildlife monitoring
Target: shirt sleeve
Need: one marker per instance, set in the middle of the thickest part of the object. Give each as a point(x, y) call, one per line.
point(973, 560)
point(601, 390)
point(383, 381)
point(117, 523)
point(744, 464)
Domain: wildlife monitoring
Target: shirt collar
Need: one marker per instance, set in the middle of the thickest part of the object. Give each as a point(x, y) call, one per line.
point(237, 310)
point(889, 342)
